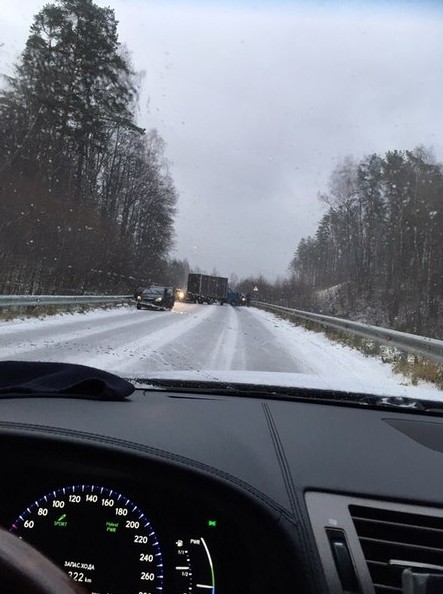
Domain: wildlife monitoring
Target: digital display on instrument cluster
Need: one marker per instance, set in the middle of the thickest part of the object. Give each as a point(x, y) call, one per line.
point(112, 545)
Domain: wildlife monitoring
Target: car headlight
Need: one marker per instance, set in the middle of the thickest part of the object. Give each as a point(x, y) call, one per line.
point(181, 295)
point(158, 300)
point(139, 297)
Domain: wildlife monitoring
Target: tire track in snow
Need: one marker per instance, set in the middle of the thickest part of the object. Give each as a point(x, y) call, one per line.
point(224, 351)
point(41, 339)
point(145, 354)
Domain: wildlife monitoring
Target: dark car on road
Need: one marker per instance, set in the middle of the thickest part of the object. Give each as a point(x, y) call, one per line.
point(156, 297)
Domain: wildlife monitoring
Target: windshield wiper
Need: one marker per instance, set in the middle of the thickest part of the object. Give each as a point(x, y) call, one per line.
point(319, 395)
point(60, 380)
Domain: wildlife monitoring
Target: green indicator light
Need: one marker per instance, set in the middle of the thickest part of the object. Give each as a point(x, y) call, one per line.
point(212, 523)
point(61, 521)
point(111, 526)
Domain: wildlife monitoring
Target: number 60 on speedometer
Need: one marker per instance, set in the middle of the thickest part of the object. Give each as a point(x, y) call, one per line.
point(98, 536)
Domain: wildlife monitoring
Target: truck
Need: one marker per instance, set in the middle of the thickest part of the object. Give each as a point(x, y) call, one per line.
point(204, 288)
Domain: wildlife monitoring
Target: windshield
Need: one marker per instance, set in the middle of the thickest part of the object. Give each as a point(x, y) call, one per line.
point(210, 167)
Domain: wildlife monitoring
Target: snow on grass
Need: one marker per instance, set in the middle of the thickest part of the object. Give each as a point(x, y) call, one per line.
point(339, 365)
point(59, 319)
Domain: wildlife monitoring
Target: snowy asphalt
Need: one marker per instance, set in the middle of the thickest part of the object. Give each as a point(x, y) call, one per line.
point(188, 338)
point(129, 341)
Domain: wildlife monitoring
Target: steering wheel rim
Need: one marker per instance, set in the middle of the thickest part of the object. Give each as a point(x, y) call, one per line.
point(23, 570)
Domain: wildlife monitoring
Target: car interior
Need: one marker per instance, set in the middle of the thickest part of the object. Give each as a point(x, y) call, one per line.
point(195, 488)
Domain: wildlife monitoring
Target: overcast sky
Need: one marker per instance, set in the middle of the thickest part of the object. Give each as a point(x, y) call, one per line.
point(258, 102)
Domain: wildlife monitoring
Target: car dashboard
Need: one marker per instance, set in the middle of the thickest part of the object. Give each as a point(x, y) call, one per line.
point(189, 492)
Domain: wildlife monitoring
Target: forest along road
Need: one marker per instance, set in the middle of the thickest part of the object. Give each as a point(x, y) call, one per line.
point(200, 338)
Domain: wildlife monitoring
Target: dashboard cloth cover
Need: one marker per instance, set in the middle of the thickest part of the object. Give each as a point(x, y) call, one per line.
point(61, 379)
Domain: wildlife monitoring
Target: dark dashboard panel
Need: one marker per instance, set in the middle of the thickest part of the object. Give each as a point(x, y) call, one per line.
point(237, 474)
point(211, 538)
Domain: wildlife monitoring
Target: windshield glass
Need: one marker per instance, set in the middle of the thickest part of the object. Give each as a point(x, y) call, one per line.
point(203, 164)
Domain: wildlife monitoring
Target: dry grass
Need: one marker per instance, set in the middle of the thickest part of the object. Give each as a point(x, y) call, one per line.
point(41, 311)
point(419, 369)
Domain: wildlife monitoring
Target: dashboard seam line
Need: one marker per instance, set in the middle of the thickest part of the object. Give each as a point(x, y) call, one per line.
point(45, 431)
point(297, 509)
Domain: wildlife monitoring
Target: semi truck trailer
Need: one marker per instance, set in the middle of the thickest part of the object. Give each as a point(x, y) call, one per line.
point(204, 288)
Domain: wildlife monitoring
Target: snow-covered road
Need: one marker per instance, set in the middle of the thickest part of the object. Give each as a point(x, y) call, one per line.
point(195, 337)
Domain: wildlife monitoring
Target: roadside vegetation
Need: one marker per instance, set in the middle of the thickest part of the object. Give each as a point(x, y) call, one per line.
point(376, 256)
point(379, 244)
point(42, 311)
point(87, 202)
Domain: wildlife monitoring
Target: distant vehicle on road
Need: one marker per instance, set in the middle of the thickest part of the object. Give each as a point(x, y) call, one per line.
point(234, 298)
point(156, 297)
point(204, 288)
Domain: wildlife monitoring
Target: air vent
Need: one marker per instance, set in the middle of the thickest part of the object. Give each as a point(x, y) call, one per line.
point(392, 541)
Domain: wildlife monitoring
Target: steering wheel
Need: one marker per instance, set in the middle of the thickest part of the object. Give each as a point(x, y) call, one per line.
point(23, 570)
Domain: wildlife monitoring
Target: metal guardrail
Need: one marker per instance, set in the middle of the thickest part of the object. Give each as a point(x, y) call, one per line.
point(24, 300)
point(411, 343)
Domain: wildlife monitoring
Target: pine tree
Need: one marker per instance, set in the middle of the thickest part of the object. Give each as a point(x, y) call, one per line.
point(75, 85)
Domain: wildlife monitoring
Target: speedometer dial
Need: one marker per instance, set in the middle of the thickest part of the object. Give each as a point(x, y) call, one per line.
point(98, 536)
